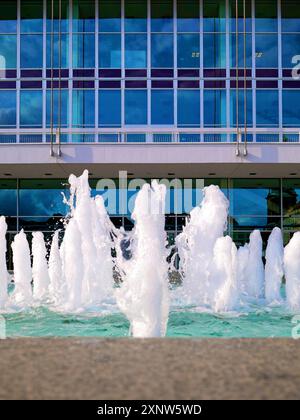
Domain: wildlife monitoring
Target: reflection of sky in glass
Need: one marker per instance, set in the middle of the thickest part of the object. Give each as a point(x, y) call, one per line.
point(31, 108)
point(135, 51)
point(162, 50)
point(8, 202)
point(8, 49)
point(136, 107)
point(7, 108)
point(31, 51)
point(42, 202)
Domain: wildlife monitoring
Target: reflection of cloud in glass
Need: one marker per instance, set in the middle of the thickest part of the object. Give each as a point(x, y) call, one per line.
point(31, 51)
point(8, 202)
point(31, 108)
point(42, 203)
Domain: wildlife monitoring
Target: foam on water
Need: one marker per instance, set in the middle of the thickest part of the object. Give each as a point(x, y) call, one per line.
point(3, 268)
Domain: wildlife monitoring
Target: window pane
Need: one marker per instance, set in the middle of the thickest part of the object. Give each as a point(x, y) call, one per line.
point(291, 197)
point(188, 108)
point(63, 45)
point(188, 16)
point(64, 108)
point(8, 108)
point(266, 16)
point(109, 108)
point(259, 197)
point(41, 197)
point(215, 108)
point(266, 51)
point(64, 13)
point(83, 108)
point(31, 51)
point(8, 51)
point(110, 15)
point(241, 40)
point(8, 197)
point(110, 51)
point(83, 15)
point(31, 16)
point(162, 50)
point(135, 107)
point(188, 51)
point(241, 108)
point(290, 48)
point(136, 15)
point(267, 112)
point(214, 13)
point(162, 16)
point(84, 51)
point(290, 13)
point(135, 51)
point(214, 50)
point(162, 107)
point(8, 16)
point(291, 108)
point(31, 113)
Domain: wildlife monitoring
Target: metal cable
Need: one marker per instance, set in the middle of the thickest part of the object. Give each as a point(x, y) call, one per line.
point(237, 74)
point(51, 64)
point(245, 78)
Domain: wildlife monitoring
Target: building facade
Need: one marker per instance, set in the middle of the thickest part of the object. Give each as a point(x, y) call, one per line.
point(200, 90)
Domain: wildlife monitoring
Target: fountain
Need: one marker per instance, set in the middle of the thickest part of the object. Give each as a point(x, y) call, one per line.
point(81, 275)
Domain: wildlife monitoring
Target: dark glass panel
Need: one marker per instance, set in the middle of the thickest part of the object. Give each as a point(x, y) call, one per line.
point(31, 16)
point(8, 16)
point(188, 13)
point(290, 14)
point(136, 15)
point(266, 16)
point(162, 107)
point(8, 197)
point(214, 13)
point(83, 15)
point(58, 25)
point(162, 15)
point(110, 16)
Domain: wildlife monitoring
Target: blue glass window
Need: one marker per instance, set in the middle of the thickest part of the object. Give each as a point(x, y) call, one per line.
point(241, 39)
point(136, 16)
point(31, 16)
point(83, 51)
point(214, 50)
point(83, 108)
point(31, 112)
point(8, 16)
point(291, 108)
point(241, 108)
point(214, 14)
point(188, 108)
point(188, 16)
point(136, 107)
point(162, 51)
point(267, 112)
point(215, 108)
point(188, 51)
point(8, 197)
point(64, 107)
point(62, 44)
point(162, 107)
point(135, 51)
point(31, 51)
point(110, 15)
point(110, 51)
point(266, 16)
point(290, 48)
point(241, 14)
point(266, 50)
point(162, 16)
point(8, 108)
point(8, 50)
point(109, 108)
point(83, 15)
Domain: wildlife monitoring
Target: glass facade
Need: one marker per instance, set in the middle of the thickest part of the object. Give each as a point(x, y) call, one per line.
point(149, 63)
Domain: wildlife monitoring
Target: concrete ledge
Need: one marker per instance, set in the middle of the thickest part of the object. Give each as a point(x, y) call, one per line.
point(149, 369)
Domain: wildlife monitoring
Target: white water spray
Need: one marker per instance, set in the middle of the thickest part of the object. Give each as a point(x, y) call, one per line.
point(254, 275)
point(196, 245)
point(292, 272)
point(22, 294)
point(40, 274)
point(57, 287)
point(144, 295)
point(274, 268)
point(3, 268)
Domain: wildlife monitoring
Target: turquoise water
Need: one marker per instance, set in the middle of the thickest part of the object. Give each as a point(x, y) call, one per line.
point(42, 322)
